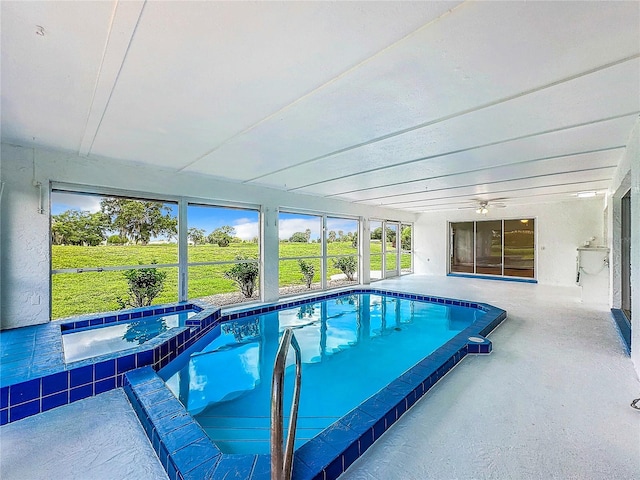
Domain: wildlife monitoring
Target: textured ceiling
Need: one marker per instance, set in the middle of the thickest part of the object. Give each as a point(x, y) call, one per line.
point(411, 105)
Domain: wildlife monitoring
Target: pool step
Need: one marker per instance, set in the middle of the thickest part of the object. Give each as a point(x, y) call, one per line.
point(252, 434)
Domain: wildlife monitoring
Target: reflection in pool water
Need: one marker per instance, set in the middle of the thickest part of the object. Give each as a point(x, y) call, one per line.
point(101, 340)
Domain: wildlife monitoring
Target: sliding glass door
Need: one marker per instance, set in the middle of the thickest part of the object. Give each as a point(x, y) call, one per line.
point(461, 248)
point(493, 247)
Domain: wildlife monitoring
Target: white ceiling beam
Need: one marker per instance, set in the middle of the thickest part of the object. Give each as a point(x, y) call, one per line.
point(124, 21)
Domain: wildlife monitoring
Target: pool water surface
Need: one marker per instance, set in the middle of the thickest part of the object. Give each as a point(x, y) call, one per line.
point(93, 341)
point(352, 347)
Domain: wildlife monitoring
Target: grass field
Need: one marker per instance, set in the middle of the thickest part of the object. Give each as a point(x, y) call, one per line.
point(74, 293)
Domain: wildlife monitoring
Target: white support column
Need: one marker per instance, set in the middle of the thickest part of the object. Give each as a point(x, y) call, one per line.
point(364, 236)
point(269, 253)
point(183, 252)
point(323, 264)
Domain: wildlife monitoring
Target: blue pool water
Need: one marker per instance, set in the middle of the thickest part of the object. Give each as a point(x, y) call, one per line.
point(94, 341)
point(352, 346)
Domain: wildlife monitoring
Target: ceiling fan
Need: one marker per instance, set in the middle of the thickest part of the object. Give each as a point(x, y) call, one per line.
point(482, 206)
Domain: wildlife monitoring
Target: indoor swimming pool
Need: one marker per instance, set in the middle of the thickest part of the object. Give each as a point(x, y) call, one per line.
point(352, 346)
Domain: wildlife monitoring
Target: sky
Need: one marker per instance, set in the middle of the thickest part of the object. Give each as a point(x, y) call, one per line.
point(246, 223)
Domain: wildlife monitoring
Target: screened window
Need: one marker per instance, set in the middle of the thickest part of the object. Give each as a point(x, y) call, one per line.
point(406, 248)
point(301, 258)
point(375, 250)
point(101, 244)
point(223, 253)
point(342, 251)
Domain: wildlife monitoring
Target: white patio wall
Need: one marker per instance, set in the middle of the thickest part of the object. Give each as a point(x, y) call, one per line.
point(561, 228)
point(627, 176)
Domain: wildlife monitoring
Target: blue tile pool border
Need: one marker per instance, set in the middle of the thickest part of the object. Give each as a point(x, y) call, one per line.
point(61, 383)
point(187, 453)
point(624, 327)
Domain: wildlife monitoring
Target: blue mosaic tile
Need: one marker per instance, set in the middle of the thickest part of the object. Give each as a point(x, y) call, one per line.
point(55, 383)
point(183, 436)
point(163, 455)
point(198, 458)
point(4, 397)
point(365, 440)
point(79, 393)
point(4, 416)
point(81, 376)
point(172, 470)
point(81, 324)
point(379, 428)
point(105, 369)
point(358, 420)
point(126, 363)
point(105, 385)
point(169, 423)
point(236, 467)
point(24, 410)
point(261, 468)
point(316, 454)
point(144, 358)
point(334, 469)
point(55, 400)
point(24, 392)
point(165, 408)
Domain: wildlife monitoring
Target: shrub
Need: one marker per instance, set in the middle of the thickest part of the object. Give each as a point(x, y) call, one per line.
point(346, 265)
point(145, 284)
point(245, 275)
point(116, 240)
point(308, 271)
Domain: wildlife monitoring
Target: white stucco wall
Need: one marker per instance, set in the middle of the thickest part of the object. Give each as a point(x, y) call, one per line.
point(25, 251)
point(627, 176)
point(560, 229)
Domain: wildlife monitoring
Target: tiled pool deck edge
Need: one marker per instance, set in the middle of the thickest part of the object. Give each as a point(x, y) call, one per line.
point(187, 453)
point(57, 383)
point(624, 327)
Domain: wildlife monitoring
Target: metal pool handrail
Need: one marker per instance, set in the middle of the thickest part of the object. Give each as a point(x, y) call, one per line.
point(282, 461)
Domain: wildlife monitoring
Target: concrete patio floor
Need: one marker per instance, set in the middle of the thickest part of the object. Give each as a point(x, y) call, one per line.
point(551, 401)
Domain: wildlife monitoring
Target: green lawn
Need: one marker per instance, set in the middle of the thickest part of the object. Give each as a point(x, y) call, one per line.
point(74, 293)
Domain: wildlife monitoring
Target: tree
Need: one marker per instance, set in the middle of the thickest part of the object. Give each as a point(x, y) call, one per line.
point(196, 235)
point(308, 271)
point(221, 236)
point(346, 265)
point(405, 238)
point(145, 284)
point(340, 236)
point(307, 234)
point(391, 236)
point(376, 234)
point(139, 220)
point(245, 275)
point(354, 240)
point(299, 237)
point(331, 237)
point(75, 227)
